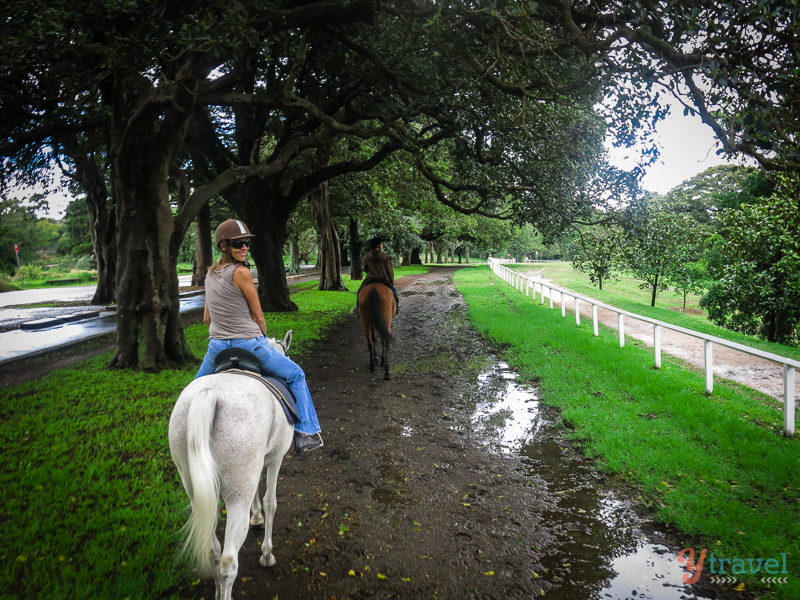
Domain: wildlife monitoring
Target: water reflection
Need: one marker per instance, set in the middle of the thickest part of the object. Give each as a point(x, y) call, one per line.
point(602, 552)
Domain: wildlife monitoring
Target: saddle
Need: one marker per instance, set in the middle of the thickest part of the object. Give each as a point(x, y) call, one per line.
point(244, 362)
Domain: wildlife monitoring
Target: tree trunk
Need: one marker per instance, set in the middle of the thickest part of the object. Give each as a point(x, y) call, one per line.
point(467, 253)
point(148, 305)
point(356, 268)
point(459, 256)
point(268, 224)
point(406, 260)
point(203, 252)
point(329, 256)
point(655, 291)
point(294, 254)
point(415, 259)
point(439, 260)
point(91, 177)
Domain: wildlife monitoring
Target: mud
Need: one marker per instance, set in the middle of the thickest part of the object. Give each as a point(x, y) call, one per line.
point(452, 480)
point(758, 373)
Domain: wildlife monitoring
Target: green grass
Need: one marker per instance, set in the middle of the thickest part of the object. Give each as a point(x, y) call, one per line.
point(717, 468)
point(625, 294)
point(91, 501)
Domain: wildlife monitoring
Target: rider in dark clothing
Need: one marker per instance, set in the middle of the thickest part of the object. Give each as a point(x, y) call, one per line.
point(378, 267)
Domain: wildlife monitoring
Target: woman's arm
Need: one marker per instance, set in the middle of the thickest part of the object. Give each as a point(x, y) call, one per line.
point(206, 314)
point(244, 281)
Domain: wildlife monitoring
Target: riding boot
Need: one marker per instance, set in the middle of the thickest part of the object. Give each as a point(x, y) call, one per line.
point(303, 442)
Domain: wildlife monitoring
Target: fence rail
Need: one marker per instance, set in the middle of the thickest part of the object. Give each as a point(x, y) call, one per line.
point(524, 283)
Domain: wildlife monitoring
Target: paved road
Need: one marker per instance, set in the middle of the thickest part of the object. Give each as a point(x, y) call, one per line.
point(19, 343)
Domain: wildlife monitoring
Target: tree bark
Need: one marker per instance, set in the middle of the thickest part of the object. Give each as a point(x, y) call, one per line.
point(142, 147)
point(203, 254)
point(415, 259)
point(356, 271)
point(91, 177)
point(294, 254)
point(467, 253)
point(406, 260)
point(329, 256)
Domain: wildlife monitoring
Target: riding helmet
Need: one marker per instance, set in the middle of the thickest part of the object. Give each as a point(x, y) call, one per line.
point(232, 229)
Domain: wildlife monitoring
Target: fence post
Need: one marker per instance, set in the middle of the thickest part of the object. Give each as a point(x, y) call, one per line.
point(541, 289)
point(527, 285)
point(550, 290)
point(657, 344)
point(788, 400)
point(709, 352)
point(563, 305)
point(594, 320)
point(577, 311)
point(621, 327)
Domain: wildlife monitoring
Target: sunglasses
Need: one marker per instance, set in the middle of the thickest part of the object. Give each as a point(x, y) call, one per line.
point(238, 243)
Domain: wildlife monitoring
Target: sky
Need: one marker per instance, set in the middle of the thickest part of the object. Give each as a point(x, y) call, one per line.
point(687, 148)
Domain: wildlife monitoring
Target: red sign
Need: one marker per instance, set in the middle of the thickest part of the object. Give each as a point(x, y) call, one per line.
point(16, 248)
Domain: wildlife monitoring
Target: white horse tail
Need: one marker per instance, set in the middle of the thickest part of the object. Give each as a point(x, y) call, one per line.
point(204, 477)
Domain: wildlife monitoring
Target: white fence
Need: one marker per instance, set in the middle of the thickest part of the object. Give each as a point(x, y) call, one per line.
point(524, 283)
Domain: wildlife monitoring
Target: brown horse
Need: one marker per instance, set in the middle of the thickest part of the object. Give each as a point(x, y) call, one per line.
point(376, 306)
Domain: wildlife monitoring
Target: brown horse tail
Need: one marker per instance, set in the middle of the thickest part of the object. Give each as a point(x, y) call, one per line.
point(375, 310)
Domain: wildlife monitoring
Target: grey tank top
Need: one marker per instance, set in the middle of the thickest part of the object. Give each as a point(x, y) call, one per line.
point(230, 313)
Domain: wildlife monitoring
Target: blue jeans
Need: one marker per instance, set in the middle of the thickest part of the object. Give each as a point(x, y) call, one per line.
point(272, 363)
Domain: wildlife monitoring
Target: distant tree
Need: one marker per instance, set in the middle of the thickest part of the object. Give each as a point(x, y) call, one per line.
point(689, 278)
point(758, 291)
point(18, 225)
point(77, 237)
point(596, 253)
point(655, 250)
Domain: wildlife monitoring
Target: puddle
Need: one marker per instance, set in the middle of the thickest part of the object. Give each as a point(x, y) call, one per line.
point(602, 551)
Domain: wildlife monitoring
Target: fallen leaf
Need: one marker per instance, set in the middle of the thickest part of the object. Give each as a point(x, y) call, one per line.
point(406, 578)
point(382, 576)
point(323, 574)
point(490, 573)
point(352, 573)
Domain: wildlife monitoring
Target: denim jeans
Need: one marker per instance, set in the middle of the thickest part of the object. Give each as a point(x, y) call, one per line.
point(272, 363)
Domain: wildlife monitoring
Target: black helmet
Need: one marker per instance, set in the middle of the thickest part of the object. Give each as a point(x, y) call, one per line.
point(375, 242)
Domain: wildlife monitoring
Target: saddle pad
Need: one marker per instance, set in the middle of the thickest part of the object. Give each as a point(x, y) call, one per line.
point(279, 389)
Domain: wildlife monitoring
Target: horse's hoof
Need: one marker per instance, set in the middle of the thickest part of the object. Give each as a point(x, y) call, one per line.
point(267, 561)
point(257, 522)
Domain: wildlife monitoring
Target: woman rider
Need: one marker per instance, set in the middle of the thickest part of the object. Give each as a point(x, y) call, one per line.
point(234, 318)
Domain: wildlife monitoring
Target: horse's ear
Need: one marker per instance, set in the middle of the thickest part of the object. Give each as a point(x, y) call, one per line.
point(287, 340)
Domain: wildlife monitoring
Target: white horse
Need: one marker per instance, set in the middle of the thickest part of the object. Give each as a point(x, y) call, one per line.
point(224, 430)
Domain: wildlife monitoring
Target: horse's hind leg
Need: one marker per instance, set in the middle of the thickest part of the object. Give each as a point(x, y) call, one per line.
point(256, 512)
point(371, 348)
point(270, 505)
point(236, 529)
point(385, 358)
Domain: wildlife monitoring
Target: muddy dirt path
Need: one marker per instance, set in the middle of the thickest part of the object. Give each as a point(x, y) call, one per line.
point(752, 371)
point(450, 481)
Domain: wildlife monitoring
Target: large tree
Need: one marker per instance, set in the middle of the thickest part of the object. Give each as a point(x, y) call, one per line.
point(757, 287)
point(139, 71)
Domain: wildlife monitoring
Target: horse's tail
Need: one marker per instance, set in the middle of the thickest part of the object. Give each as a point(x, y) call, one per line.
point(204, 477)
point(375, 309)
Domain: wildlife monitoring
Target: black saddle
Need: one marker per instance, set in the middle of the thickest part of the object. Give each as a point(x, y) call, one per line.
point(244, 362)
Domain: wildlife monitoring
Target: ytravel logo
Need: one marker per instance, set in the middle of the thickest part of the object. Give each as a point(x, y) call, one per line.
point(726, 569)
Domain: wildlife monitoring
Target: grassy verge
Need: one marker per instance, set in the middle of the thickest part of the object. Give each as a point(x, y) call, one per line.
point(625, 294)
point(91, 500)
point(717, 468)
